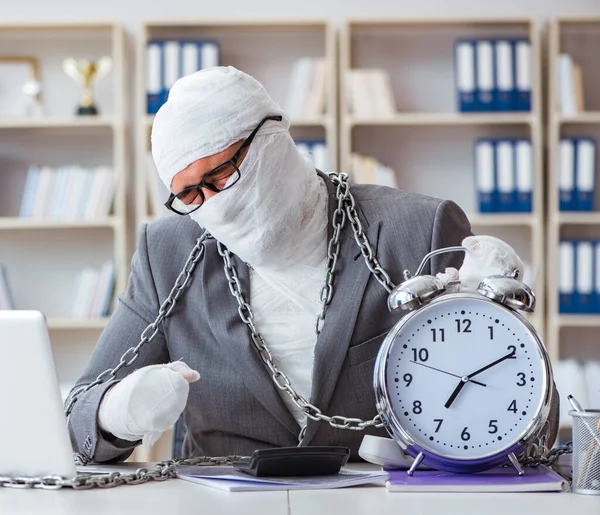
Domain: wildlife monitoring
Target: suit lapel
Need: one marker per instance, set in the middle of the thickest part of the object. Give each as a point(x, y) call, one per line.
point(231, 332)
point(350, 280)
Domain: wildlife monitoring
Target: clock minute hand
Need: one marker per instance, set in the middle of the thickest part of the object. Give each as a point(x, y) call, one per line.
point(465, 379)
point(493, 364)
point(444, 372)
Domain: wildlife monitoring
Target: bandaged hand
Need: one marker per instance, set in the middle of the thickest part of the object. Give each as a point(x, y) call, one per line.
point(485, 256)
point(146, 402)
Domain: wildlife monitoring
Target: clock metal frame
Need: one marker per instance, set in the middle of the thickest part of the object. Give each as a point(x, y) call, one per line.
point(532, 432)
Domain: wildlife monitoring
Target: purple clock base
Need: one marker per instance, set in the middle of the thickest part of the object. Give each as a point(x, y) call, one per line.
point(463, 466)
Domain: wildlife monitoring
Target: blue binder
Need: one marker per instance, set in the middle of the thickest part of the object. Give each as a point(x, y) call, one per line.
point(523, 71)
point(523, 175)
point(485, 176)
point(154, 74)
point(566, 277)
point(485, 84)
point(566, 175)
point(504, 75)
point(584, 276)
point(585, 173)
point(464, 75)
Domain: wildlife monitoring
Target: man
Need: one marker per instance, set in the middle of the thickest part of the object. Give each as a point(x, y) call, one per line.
point(223, 148)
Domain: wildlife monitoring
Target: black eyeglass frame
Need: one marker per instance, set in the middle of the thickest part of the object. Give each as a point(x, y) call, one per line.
point(233, 160)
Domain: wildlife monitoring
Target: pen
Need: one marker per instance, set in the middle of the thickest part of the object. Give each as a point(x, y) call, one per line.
point(574, 403)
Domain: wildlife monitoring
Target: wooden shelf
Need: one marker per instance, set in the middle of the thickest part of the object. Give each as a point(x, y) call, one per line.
point(582, 218)
point(503, 219)
point(12, 223)
point(61, 324)
point(576, 320)
point(322, 121)
point(59, 123)
point(409, 119)
point(585, 117)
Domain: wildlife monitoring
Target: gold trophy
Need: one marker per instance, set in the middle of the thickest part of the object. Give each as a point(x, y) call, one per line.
point(85, 74)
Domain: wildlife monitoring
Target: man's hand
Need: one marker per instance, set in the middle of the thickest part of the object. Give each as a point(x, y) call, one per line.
point(146, 402)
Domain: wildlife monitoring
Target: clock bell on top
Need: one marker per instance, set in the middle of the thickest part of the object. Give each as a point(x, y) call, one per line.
point(491, 267)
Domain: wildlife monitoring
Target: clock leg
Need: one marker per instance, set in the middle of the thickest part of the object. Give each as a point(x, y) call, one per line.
point(415, 464)
point(515, 463)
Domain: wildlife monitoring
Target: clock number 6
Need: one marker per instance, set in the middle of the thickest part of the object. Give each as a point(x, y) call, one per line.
point(465, 435)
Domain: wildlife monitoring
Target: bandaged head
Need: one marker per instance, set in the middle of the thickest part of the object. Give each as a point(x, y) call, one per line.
point(262, 216)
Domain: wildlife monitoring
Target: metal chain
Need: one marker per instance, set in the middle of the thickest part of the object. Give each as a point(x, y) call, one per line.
point(543, 456)
point(346, 208)
point(279, 378)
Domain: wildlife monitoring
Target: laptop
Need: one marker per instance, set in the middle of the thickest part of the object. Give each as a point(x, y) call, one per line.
point(34, 439)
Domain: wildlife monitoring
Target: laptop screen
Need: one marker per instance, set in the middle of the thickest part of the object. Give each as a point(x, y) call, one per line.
point(34, 439)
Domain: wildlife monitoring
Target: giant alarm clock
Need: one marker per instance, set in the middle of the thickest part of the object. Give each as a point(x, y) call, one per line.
point(463, 382)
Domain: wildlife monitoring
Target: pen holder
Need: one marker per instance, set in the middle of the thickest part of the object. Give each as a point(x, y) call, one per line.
point(586, 452)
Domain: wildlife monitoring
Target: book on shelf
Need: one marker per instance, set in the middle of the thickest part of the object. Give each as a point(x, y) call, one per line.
point(370, 93)
point(307, 88)
point(68, 193)
point(94, 287)
point(493, 75)
point(570, 86)
point(577, 174)
point(500, 479)
point(503, 175)
point(582, 381)
point(234, 480)
point(316, 151)
point(6, 301)
point(169, 60)
point(368, 170)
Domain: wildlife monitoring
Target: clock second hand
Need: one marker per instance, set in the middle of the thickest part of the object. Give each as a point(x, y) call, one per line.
point(465, 379)
point(444, 372)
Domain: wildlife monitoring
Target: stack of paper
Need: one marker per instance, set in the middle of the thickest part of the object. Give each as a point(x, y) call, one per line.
point(234, 480)
point(367, 170)
point(307, 88)
point(570, 86)
point(370, 93)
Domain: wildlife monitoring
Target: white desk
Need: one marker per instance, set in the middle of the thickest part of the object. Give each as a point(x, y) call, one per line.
point(182, 498)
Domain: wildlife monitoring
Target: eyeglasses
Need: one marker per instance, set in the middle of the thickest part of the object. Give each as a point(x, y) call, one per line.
point(218, 179)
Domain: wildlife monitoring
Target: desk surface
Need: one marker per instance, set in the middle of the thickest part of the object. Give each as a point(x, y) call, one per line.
point(182, 498)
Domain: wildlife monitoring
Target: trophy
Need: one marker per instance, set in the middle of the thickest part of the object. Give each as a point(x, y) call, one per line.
point(86, 73)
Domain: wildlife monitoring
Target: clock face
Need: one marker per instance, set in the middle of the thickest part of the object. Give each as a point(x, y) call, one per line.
point(464, 377)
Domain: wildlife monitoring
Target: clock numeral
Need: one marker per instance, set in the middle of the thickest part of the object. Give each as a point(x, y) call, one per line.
point(420, 354)
point(465, 435)
point(435, 333)
point(521, 381)
point(493, 427)
point(407, 379)
point(513, 350)
point(463, 326)
point(439, 423)
point(491, 328)
point(513, 406)
point(417, 409)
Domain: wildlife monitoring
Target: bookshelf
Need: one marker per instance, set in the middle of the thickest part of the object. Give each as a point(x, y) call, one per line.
point(42, 256)
point(266, 50)
point(427, 141)
point(572, 337)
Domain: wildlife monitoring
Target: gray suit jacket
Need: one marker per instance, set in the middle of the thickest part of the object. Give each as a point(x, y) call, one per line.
point(234, 408)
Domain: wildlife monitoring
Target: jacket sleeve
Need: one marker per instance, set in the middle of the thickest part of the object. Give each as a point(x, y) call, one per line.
point(137, 308)
point(450, 228)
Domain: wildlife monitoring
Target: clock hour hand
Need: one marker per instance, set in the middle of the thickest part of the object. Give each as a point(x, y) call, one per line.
point(456, 391)
point(445, 372)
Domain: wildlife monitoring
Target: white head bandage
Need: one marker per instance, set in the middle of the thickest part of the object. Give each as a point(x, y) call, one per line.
point(207, 112)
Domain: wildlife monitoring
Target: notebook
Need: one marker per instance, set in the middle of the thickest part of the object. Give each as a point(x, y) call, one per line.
point(501, 479)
